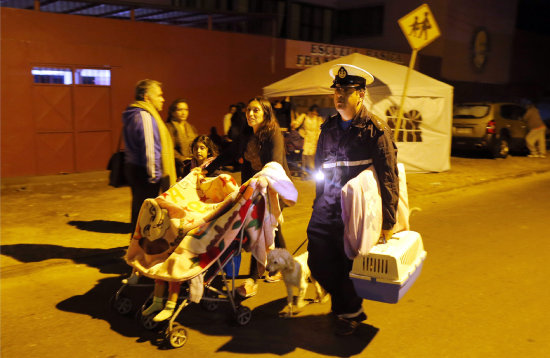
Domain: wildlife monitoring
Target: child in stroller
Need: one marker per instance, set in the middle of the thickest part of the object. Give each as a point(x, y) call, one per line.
point(203, 151)
point(184, 234)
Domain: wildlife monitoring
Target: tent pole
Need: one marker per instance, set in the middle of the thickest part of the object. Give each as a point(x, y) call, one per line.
point(405, 87)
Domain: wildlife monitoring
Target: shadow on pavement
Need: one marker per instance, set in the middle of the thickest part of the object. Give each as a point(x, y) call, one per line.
point(266, 332)
point(40, 252)
point(102, 226)
point(269, 333)
point(97, 303)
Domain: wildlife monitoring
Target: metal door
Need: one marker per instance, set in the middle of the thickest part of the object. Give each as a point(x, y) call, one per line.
point(72, 126)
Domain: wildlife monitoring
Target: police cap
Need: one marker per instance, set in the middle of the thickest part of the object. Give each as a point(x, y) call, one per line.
point(349, 75)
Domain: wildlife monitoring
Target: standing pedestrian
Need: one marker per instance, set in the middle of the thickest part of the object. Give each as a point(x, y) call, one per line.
point(536, 137)
point(215, 137)
point(310, 125)
point(149, 152)
point(237, 132)
point(350, 142)
point(183, 133)
point(284, 113)
point(227, 119)
point(264, 143)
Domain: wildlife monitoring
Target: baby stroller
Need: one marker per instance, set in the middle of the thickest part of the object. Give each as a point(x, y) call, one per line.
point(294, 145)
point(195, 230)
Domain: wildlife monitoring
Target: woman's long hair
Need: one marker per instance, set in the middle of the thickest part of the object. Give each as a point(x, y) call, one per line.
point(173, 108)
point(269, 124)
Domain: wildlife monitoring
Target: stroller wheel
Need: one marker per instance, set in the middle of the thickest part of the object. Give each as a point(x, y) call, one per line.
point(243, 315)
point(177, 336)
point(147, 322)
point(123, 305)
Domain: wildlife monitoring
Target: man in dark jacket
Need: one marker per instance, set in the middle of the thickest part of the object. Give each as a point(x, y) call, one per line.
point(349, 143)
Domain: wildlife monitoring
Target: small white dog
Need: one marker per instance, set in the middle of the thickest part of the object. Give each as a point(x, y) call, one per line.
point(295, 273)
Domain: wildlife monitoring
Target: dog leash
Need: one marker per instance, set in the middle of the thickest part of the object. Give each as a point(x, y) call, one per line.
point(302, 244)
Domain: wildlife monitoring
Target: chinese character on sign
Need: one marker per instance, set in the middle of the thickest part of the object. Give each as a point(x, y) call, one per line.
point(419, 27)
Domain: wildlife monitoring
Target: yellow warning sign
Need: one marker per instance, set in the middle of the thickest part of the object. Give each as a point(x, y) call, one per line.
point(419, 27)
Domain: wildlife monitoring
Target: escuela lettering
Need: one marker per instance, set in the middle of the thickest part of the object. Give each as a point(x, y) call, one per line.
point(320, 54)
point(331, 50)
point(307, 60)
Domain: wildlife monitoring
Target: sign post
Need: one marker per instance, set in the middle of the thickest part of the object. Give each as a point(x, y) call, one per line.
point(420, 29)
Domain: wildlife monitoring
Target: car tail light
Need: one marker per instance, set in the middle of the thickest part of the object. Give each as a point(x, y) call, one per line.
point(491, 128)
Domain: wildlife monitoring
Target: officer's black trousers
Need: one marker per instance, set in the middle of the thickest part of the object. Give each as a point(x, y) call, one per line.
point(330, 266)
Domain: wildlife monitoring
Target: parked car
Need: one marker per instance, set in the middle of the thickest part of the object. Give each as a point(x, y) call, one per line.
point(495, 127)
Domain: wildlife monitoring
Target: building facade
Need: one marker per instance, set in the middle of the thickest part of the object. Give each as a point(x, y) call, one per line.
point(68, 68)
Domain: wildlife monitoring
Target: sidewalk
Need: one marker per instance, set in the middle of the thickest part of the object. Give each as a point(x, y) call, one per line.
point(473, 171)
point(464, 172)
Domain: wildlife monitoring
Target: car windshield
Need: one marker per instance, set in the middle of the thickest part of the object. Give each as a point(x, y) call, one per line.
point(470, 111)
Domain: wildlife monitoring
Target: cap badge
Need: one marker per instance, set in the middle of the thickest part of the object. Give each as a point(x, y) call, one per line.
point(342, 73)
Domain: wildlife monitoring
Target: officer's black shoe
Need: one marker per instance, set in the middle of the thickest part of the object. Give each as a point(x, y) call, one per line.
point(347, 326)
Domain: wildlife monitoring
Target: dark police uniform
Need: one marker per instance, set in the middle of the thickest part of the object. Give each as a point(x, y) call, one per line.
point(341, 155)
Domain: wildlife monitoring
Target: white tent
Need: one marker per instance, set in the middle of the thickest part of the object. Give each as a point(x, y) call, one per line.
point(424, 141)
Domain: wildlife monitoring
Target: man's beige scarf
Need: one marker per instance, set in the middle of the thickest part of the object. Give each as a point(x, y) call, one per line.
point(167, 152)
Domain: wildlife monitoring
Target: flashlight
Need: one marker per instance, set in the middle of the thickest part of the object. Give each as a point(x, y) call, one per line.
point(319, 176)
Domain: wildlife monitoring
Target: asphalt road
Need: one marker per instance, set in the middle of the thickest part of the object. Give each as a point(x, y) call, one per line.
point(482, 293)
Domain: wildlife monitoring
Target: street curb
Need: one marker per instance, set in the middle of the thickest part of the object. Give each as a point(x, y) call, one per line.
point(488, 181)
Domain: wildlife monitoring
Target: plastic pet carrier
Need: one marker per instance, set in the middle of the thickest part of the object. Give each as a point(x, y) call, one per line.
point(390, 269)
